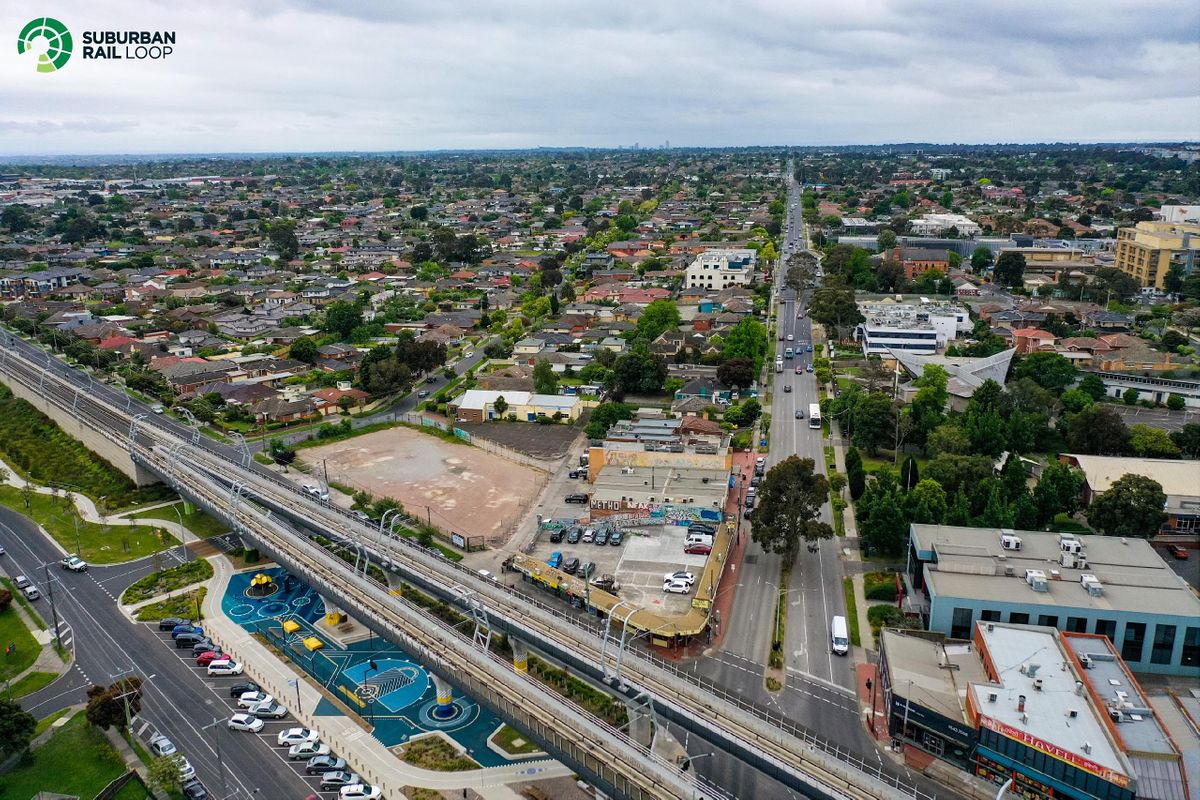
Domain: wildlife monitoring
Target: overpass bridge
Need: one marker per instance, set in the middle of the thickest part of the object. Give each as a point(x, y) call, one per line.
point(228, 483)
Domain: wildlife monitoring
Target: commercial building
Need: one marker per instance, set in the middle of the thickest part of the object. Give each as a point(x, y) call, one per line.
point(1151, 387)
point(1179, 479)
point(1106, 585)
point(966, 374)
point(937, 224)
point(1147, 250)
point(922, 328)
point(720, 269)
point(479, 405)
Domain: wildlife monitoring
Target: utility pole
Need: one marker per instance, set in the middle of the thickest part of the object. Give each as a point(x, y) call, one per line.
point(220, 764)
point(325, 468)
point(53, 610)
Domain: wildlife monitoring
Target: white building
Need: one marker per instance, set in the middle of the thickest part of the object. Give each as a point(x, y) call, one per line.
point(1179, 213)
point(938, 224)
point(720, 269)
point(922, 329)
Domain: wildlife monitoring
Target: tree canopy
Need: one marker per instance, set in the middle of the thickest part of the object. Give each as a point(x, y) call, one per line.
point(1132, 506)
point(789, 505)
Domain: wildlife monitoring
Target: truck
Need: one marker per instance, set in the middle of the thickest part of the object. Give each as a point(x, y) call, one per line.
point(788, 353)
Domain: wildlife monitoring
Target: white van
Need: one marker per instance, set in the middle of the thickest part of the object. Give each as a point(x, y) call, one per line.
point(839, 636)
point(699, 538)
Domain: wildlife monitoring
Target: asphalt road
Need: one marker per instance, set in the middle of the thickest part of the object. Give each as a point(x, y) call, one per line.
point(176, 701)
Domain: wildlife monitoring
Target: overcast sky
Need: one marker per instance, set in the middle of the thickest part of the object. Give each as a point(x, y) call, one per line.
point(397, 75)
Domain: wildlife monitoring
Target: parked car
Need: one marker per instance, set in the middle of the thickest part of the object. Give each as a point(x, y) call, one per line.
point(317, 492)
point(556, 559)
point(1178, 551)
point(589, 535)
point(574, 535)
point(195, 790)
point(360, 791)
point(601, 536)
point(189, 640)
point(307, 750)
point(171, 623)
point(684, 576)
point(577, 473)
point(577, 497)
point(556, 536)
point(186, 770)
point(606, 582)
point(31, 592)
point(162, 746)
point(587, 569)
point(327, 763)
point(245, 722)
point(570, 566)
point(615, 538)
point(207, 657)
point(270, 710)
point(187, 627)
point(225, 666)
point(699, 548)
point(676, 587)
point(21, 582)
point(253, 698)
point(239, 689)
point(702, 527)
point(73, 563)
point(338, 779)
point(293, 736)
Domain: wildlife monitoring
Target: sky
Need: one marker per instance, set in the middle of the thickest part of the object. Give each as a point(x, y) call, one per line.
point(320, 75)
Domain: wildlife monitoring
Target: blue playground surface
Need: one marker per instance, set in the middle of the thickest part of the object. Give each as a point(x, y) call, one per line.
point(373, 677)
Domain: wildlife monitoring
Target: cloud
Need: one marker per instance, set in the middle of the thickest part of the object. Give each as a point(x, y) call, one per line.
point(387, 75)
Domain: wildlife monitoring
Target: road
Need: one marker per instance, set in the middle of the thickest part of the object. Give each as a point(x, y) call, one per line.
point(176, 701)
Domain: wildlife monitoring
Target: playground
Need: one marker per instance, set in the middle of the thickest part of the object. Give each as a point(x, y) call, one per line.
point(373, 678)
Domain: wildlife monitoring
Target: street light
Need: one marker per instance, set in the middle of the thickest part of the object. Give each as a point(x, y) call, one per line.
point(220, 764)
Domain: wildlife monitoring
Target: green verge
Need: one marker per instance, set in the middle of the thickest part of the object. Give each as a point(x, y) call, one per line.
point(184, 605)
point(99, 544)
point(851, 612)
point(32, 683)
point(25, 604)
point(167, 580)
point(507, 737)
point(46, 722)
point(199, 523)
point(436, 753)
point(77, 760)
point(13, 631)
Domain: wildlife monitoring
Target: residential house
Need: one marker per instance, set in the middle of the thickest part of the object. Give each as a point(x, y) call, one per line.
point(1031, 340)
point(479, 405)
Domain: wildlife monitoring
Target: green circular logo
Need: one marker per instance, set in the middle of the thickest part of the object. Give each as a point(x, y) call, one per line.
point(58, 48)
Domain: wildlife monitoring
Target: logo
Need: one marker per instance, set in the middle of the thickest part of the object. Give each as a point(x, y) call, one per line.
point(57, 47)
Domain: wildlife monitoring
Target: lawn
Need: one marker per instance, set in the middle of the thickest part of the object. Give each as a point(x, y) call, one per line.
point(13, 631)
point(434, 752)
point(851, 612)
point(167, 580)
point(32, 682)
point(78, 760)
point(45, 723)
point(199, 523)
point(184, 605)
point(100, 544)
point(513, 741)
point(25, 604)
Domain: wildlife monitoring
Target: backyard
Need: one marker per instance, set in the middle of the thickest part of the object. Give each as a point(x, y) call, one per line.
point(93, 764)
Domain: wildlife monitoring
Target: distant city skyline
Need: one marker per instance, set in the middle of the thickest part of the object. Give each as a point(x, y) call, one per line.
point(301, 76)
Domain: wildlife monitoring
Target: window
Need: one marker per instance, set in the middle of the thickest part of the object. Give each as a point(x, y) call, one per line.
point(1017, 618)
point(1191, 648)
point(1164, 644)
point(1135, 637)
point(1077, 624)
point(960, 624)
point(989, 615)
point(1107, 627)
point(1049, 620)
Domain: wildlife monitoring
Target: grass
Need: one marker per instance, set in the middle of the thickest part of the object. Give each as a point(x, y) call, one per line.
point(851, 612)
point(199, 523)
point(32, 682)
point(20, 598)
point(338, 437)
point(78, 760)
point(184, 605)
point(99, 544)
point(507, 737)
point(134, 790)
point(44, 724)
point(167, 580)
point(434, 752)
point(1064, 524)
point(775, 659)
point(602, 704)
point(13, 631)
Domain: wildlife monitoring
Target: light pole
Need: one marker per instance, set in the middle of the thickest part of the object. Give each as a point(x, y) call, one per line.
point(687, 762)
point(53, 609)
point(220, 764)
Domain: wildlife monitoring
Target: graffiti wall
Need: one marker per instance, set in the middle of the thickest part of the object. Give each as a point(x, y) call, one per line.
point(627, 513)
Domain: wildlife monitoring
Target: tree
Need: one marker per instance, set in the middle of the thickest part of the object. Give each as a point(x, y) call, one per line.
point(281, 454)
point(981, 259)
point(948, 438)
point(304, 349)
point(886, 240)
point(163, 773)
point(1171, 341)
point(747, 339)
point(909, 474)
point(1130, 396)
point(1132, 506)
point(1187, 439)
point(1098, 431)
point(874, 375)
point(928, 406)
point(790, 498)
point(736, 372)
point(1058, 490)
point(1175, 402)
point(1076, 400)
point(1010, 268)
point(874, 422)
point(639, 370)
point(16, 728)
point(833, 306)
point(996, 513)
point(341, 318)
point(927, 503)
point(604, 416)
point(959, 512)
point(500, 406)
point(955, 472)
point(1148, 442)
point(544, 379)
point(107, 705)
point(659, 316)
point(986, 431)
point(856, 476)
point(5, 599)
point(419, 213)
point(1051, 371)
point(880, 514)
point(16, 217)
point(282, 234)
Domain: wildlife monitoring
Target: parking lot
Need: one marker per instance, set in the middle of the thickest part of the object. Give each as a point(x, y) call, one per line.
point(222, 706)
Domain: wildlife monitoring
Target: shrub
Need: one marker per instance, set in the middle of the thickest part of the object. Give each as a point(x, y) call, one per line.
point(884, 617)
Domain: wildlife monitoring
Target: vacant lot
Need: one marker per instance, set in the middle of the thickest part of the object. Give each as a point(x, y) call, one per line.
point(546, 442)
point(458, 487)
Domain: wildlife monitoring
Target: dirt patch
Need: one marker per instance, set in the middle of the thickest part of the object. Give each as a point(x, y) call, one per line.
point(457, 487)
point(544, 442)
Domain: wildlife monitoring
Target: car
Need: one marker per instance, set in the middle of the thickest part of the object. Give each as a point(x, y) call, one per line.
point(556, 559)
point(239, 689)
point(587, 569)
point(186, 770)
point(787, 389)
point(162, 746)
point(209, 656)
point(487, 575)
point(790, 338)
point(2, 551)
point(577, 473)
point(1178, 551)
point(338, 779)
point(253, 698)
point(245, 722)
point(809, 350)
point(195, 790)
point(601, 537)
point(676, 587)
point(570, 566)
point(422, 394)
point(799, 370)
point(606, 582)
point(73, 563)
point(749, 501)
point(781, 336)
point(431, 378)
point(317, 492)
point(699, 548)
point(21, 582)
point(683, 575)
point(171, 623)
point(808, 368)
point(361, 516)
point(702, 527)
point(31, 592)
point(271, 710)
point(615, 538)
point(293, 736)
point(360, 791)
point(327, 763)
point(187, 627)
point(589, 535)
point(578, 497)
point(556, 536)
point(307, 750)
point(574, 535)
point(799, 414)
point(747, 514)
point(225, 666)
point(761, 461)
point(188, 640)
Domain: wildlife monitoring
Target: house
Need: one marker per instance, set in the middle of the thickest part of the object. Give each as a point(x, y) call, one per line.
point(708, 389)
point(1179, 479)
point(282, 409)
point(329, 400)
point(528, 347)
point(1031, 340)
point(479, 405)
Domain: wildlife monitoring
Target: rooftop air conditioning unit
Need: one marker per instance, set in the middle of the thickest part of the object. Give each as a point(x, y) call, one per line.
point(991, 697)
point(1010, 542)
point(1081, 561)
point(650, 499)
point(1086, 661)
point(1033, 574)
point(1072, 713)
point(1070, 545)
point(1037, 684)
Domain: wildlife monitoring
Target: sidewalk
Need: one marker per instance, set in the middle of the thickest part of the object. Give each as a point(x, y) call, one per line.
point(849, 545)
point(348, 738)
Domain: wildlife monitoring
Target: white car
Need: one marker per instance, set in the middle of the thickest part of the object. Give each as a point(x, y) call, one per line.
point(225, 667)
point(74, 563)
point(360, 791)
point(186, 770)
point(251, 699)
point(296, 736)
point(676, 587)
point(162, 746)
point(307, 750)
point(790, 338)
point(685, 577)
point(317, 492)
point(268, 710)
point(245, 722)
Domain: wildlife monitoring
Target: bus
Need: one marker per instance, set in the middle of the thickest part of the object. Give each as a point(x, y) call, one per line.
point(814, 415)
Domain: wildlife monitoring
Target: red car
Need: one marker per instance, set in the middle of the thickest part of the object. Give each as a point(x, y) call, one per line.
point(206, 658)
point(698, 549)
point(1179, 551)
point(799, 370)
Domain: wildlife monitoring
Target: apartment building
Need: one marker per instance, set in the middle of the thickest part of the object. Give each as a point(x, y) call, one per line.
point(1147, 250)
point(720, 269)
